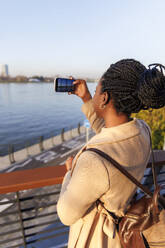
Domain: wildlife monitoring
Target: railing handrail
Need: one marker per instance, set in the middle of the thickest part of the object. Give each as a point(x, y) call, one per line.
point(31, 178)
point(47, 176)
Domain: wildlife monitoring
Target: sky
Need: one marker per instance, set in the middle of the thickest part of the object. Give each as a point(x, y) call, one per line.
point(79, 37)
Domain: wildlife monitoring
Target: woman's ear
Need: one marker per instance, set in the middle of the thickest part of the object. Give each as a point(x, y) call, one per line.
point(105, 98)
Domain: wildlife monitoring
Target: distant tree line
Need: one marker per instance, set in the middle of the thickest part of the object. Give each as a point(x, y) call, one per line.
point(156, 120)
point(22, 78)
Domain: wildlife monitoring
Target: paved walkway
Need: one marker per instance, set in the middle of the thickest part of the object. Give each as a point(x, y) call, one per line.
point(53, 156)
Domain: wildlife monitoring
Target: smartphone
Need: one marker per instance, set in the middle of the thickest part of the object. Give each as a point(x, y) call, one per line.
point(64, 85)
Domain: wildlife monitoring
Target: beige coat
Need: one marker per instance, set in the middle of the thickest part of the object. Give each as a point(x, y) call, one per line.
point(95, 178)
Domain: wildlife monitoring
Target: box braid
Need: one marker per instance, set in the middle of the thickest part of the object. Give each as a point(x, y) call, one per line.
point(132, 87)
point(152, 87)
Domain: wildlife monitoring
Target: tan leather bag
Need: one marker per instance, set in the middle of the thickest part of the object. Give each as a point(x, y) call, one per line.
point(144, 223)
point(155, 235)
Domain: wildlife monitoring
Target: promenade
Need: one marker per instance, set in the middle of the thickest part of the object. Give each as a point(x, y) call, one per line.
point(53, 151)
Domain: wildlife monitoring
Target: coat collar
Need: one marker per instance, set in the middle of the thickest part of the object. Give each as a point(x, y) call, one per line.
point(116, 134)
point(113, 135)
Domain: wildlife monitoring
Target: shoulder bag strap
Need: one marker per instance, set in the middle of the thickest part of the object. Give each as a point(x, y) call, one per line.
point(121, 169)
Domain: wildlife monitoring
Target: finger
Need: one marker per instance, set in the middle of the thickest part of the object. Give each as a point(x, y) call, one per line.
point(68, 167)
point(70, 158)
point(77, 82)
point(72, 78)
point(71, 93)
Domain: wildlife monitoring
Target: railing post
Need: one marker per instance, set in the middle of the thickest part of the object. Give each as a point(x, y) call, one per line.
point(53, 140)
point(21, 221)
point(62, 134)
point(78, 129)
point(71, 132)
point(41, 143)
point(27, 148)
point(11, 153)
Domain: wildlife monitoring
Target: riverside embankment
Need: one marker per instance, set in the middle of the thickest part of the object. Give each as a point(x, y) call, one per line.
point(50, 151)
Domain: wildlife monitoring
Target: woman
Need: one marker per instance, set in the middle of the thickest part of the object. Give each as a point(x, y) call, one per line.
point(125, 88)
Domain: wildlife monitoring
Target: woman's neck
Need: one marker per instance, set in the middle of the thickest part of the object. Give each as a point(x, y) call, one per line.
point(114, 119)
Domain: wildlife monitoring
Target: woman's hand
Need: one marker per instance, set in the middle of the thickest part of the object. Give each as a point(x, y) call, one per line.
point(68, 163)
point(81, 90)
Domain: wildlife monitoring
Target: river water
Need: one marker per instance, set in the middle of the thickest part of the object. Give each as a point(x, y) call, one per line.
point(31, 110)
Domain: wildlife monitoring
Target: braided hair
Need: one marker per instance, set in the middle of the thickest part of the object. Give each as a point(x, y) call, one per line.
point(133, 87)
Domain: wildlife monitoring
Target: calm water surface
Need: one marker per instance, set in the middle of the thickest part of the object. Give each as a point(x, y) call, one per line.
point(29, 110)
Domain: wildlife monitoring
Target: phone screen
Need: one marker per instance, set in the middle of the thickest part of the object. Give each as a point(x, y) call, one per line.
point(64, 85)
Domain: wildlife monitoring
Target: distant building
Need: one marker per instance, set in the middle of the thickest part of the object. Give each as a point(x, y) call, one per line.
point(4, 71)
point(34, 80)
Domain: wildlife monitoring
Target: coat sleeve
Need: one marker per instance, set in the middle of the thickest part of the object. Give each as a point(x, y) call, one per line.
point(96, 122)
point(89, 181)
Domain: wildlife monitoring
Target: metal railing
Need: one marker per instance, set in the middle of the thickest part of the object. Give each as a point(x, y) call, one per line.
point(10, 149)
point(28, 215)
point(52, 144)
point(31, 219)
point(28, 208)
